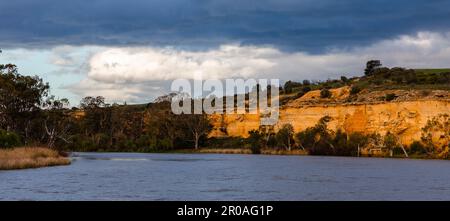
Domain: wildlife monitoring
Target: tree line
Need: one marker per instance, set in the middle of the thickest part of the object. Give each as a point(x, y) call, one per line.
point(320, 140)
point(30, 115)
point(376, 76)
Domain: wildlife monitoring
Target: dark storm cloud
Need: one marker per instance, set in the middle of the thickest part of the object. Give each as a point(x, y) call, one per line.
point(307, 25)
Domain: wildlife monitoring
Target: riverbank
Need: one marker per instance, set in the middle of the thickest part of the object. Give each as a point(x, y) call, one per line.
point(268, 151)
point(236, 151)
point(30, 157)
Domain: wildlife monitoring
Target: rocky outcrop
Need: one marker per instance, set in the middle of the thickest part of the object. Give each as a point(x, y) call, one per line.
point(405, 118)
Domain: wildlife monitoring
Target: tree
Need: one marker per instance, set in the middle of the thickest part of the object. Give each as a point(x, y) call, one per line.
point(392, 143)
point(92, 102)
point(95, 113)
point(255, 140)
point(318, 139)
point(285, 136)
point(199, 125)
point(356, 141)
point(290, 85)
point(96, 122)
point(8, 139)
point(56, 120)
point(21, 98)
point(371, 66)
point(162, 124)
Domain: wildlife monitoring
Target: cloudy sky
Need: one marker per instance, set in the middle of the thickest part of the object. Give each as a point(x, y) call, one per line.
point(131, 50)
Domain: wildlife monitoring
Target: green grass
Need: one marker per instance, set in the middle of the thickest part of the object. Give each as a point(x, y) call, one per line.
point(432, 70)
point(410, 87)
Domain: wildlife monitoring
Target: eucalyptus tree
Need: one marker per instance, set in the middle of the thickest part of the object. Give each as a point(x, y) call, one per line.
point(21, 98)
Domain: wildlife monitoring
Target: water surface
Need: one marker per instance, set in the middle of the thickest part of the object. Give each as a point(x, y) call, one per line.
point(133, 176)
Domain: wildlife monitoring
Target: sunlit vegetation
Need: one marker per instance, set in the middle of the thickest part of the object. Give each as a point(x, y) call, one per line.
point(376, 77)
point(31, 116)
point(30, 157)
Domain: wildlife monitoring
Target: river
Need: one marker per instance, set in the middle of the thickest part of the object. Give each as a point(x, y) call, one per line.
point(136, 176)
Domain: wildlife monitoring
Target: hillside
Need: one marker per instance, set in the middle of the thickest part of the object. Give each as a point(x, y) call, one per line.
point(388, 102)
point(369, 113)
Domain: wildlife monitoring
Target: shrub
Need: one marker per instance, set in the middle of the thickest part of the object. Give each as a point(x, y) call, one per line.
point(299, 95)
point(390, 141)
point(319, 140)
point(417, 147)
point(425, 93)
point(290, 85)
point(164, 144)
point(227, 142)
point(325, 93)
point(255, 140)
point(146, 142)
point(355, 90)
point(9, 139)
point(357, 139)
point(272, 141)
point(340, 143)
point(390, 97)
point(306, 89)
point(316, 139)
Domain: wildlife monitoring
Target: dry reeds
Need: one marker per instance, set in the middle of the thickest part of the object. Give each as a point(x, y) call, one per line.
point(30, 157)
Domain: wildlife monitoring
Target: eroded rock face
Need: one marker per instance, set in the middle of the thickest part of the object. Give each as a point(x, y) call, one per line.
point(403, 118)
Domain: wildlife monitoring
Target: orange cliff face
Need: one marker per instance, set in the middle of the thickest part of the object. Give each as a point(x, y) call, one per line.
point(403, 118)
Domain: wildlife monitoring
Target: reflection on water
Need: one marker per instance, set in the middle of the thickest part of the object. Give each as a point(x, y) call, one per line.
point(130, 176)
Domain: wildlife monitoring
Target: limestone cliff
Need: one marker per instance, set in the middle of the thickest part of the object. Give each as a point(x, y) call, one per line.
point(404, 117)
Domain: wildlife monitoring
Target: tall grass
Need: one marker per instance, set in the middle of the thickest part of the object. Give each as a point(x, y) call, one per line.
point(30, 157)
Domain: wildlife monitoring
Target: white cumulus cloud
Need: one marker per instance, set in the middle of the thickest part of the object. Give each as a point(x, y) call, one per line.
point(139, 74)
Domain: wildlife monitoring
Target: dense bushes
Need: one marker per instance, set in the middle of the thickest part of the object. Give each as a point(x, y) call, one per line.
point(390, 97)
point(417, 148)
point(325, 93)
point(226, 142)
point(354, 90)
point(9, 139)
point(255, 141)
point(319, 140)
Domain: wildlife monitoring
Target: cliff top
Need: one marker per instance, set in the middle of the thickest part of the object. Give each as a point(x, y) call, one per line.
point(342, 95)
